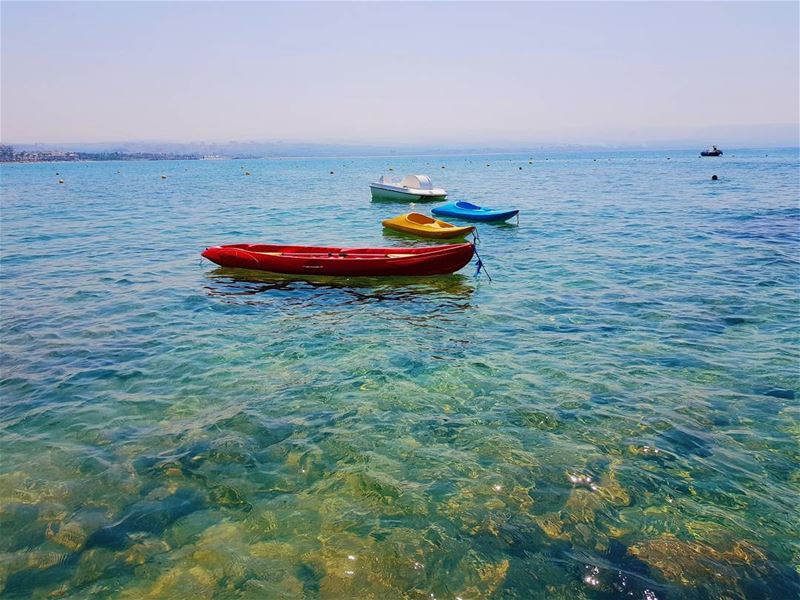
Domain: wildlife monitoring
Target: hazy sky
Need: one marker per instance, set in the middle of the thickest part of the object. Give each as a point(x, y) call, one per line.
point(406, 72)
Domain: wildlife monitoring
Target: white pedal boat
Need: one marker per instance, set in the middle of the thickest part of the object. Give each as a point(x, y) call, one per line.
point(412, 187)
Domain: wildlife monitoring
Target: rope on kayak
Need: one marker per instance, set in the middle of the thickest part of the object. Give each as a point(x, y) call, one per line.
point(517, 218)
point(475, 236)
point(480, 264)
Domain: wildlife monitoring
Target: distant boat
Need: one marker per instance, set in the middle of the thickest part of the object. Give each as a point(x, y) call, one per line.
point(713, 151)
point(412, 187)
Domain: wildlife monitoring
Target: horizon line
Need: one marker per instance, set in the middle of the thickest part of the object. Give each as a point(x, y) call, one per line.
point(432, 146)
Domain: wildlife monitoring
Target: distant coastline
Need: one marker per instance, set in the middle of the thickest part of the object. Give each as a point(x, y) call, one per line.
point(247, 150)
point(37, 153)
point(8, 154)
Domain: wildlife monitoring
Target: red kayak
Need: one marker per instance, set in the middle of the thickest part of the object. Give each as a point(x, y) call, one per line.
point(428, 260)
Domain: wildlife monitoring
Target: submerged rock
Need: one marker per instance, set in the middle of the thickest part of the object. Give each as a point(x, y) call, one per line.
point(288, 587)
point(194, 582)
point(610, 489)
point(694, 563)
point(71, 535)
point(380, 491)
point(20, 487)
point(223, 559)
point(19, 569)
point(92, 565)
point(539, 419)
point(21, 526)
point(404, 564)
point(490, 577)
point(262, 521)
point(478, 507)
point(151, 516)
point(227, 496)
point(687, 442)
point(552, 525)
point(143, 550)
point(582, 505)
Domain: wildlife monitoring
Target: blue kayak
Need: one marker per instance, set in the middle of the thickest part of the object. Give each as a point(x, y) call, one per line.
point(473, 212)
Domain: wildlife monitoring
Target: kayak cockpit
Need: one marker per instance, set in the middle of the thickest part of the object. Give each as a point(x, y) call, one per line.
point(468, 205)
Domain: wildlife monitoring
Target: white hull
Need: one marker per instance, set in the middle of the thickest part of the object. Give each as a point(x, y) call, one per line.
point(382, 191)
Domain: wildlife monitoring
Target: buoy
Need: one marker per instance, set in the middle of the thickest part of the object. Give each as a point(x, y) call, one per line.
point(530, 162)
point(443, 166)
point(331, 172)
point(391, 169)
point(163, 177)
point(520, 168)
point(60, 181)
point(668, 158)
point(714, 178)
point(57, 173)
point(487, 164)
point(247, 172)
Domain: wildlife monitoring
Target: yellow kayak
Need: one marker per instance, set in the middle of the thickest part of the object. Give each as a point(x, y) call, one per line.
point(426, 226)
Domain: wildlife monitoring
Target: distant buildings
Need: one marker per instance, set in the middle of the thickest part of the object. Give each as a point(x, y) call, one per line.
point(7, 154)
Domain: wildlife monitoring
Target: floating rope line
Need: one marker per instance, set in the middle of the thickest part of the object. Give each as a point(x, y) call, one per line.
point(480, 265)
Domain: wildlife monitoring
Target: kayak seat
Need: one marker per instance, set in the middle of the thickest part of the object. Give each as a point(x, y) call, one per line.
point(467, 205)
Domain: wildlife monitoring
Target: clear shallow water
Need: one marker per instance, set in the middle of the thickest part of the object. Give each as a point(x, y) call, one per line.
point(614, 416)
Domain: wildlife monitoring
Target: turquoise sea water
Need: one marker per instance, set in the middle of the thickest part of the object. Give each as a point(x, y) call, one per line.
point(615, 416)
